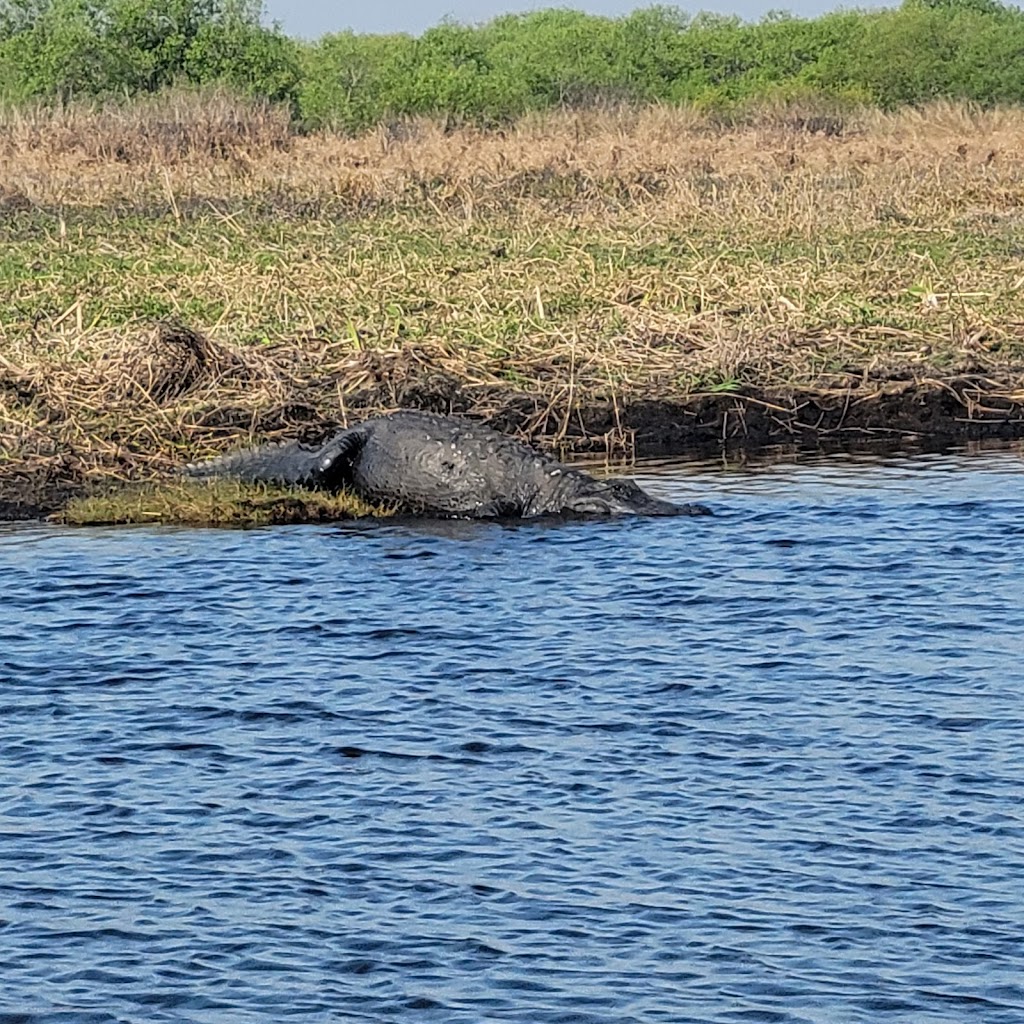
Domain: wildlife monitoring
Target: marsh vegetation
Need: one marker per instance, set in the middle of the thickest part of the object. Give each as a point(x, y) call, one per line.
point(188, 272)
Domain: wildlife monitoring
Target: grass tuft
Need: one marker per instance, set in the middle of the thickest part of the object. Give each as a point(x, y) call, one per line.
point(213, 503)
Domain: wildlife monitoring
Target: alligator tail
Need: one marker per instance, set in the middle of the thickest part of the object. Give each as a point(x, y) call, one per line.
point(289, 463)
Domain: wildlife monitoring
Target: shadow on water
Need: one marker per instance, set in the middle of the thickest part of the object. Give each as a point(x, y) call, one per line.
point(759, 766)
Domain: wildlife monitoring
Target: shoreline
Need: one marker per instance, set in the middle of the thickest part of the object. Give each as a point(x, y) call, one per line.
point(602, 283)
point(888, 417)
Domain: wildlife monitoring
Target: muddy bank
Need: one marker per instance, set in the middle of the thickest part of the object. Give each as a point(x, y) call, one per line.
point(918, 418)
point(599, 283)
point(75, 425)
point(902, 414)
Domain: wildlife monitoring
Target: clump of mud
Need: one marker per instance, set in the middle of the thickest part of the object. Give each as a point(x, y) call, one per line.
point(128, 408)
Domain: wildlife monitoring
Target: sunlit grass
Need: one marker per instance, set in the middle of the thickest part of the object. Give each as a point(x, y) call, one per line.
point(213, 503)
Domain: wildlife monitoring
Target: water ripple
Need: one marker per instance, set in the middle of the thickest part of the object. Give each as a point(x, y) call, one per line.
point(759, 767)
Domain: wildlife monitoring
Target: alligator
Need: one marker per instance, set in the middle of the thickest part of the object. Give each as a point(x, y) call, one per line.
point(441, 466)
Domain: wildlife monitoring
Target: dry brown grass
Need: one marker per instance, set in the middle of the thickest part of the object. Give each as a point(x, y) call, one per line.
point(934, 162)
point(575, 262)
point(169, 128)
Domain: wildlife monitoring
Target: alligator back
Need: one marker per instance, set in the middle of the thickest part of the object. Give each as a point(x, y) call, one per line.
point(443, 465)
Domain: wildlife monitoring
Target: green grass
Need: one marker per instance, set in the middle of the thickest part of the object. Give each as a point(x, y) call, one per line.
point(212, 503)
point(403, 281)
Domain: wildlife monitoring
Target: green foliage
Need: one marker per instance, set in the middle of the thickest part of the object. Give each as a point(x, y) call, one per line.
point(348, 81)
point(63, 49)
point(557, 57)
point(234, 48)
point(931, 49)
point(924, 49)
point(963, 49)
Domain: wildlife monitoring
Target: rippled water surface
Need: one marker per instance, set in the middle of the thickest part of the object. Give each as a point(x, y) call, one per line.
point(766, 766)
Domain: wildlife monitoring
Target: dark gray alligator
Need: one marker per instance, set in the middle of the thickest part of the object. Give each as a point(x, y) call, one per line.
point(444, 466)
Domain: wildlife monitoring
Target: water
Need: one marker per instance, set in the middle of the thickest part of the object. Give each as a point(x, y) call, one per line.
point(764, 767)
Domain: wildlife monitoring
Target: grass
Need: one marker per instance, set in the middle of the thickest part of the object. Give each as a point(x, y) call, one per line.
point(574, 261)
point(212, 503)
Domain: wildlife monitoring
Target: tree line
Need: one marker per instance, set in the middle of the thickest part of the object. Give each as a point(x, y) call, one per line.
point(65, 50)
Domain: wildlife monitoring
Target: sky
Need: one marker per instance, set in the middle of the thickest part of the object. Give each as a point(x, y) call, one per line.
point(312, 18)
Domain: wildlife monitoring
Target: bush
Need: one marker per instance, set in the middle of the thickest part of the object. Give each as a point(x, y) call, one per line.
point(963, 49)
point(925, 49)
point(63, 49)
point(349, 81)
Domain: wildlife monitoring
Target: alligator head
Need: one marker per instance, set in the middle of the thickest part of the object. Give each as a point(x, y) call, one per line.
point(618, 497)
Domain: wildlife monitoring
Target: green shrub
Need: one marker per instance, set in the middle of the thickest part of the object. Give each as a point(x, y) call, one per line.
point(348, 81)
point(64, 49)
point(920, 51)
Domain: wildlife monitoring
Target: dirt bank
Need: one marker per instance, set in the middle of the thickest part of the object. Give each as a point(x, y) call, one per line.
point(138, 407)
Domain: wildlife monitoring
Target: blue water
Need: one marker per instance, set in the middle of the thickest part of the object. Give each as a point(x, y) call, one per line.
point(762, 767)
